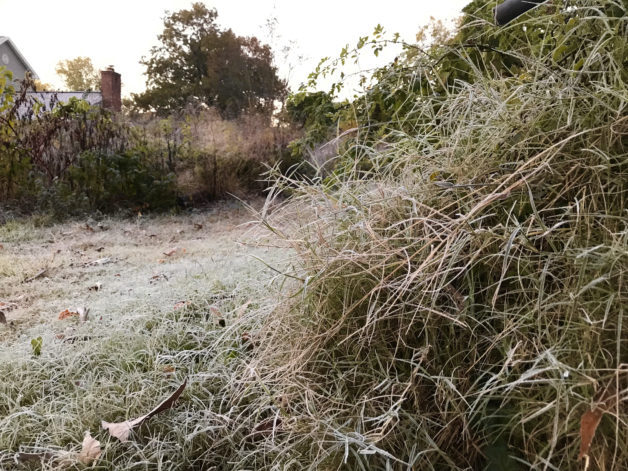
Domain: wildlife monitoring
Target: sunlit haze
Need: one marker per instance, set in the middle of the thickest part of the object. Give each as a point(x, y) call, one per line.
point(120, 32)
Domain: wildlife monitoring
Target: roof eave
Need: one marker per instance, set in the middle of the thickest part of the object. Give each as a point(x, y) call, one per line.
point(20, 57)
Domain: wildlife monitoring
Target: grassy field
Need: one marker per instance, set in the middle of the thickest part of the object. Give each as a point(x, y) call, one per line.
point(170, 298)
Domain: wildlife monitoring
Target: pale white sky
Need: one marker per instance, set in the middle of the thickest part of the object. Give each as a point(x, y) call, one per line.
point(120, 32)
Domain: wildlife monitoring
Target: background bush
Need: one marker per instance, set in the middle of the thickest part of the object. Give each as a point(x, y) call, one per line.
point(66, 158)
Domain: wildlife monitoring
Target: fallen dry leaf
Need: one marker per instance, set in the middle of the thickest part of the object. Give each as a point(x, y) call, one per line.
point(158, 277)
point(218, 315)
point(588, 425)
point(591, 420)
point(171, 252)
point(168, 369)
point(67, 313)
point(180, 304)
point(90, 451)
point(121, 430)
point(242, 309)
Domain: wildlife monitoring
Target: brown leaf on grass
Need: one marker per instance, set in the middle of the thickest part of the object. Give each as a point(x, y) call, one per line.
point(158, 277)
point(180, 304)
point(242, 309)
point(592, 417)
point(90, 451)
point(121, 430)
point(218, 315)
point(588, 425)
point(170, 252)
point(67, 313)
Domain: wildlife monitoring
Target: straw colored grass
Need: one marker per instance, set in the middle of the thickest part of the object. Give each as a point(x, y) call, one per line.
point(458, 303)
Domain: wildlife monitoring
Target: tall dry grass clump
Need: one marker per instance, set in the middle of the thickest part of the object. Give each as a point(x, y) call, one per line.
point(462, 297)
point(212, 157)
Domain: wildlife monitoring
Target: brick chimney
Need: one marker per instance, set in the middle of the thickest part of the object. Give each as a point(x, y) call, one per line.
point(110, 88)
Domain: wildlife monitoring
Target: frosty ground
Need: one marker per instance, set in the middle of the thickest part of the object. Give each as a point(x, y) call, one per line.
point(121, 269)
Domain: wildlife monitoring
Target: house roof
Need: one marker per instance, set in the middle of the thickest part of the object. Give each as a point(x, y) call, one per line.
point(6, 39)
point(49, 99)
point(46, 98)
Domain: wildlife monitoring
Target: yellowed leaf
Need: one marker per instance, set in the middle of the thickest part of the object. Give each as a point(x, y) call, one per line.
point(121, 430)
point(242, 309)
point(91, 450)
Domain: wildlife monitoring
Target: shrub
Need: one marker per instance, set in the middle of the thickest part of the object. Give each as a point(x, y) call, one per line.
point(213, 157)
point(69, 157)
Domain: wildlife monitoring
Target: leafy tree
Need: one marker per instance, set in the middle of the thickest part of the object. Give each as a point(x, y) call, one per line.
point(79, 74)
point(42, 86)
point(197, 61)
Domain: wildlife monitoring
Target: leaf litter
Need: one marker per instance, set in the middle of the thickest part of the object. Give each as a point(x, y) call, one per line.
point(121, 430)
